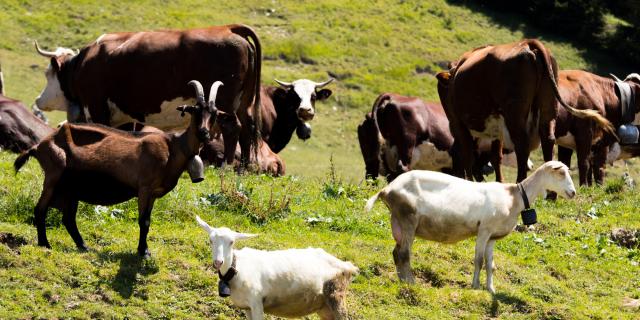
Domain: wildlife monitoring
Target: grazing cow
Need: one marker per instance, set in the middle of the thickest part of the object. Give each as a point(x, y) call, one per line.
point(592, 92)
point(19, 128)
point(404, 133)
point(212, 153)
point(287, 108)
point(505, 94)
point(141, 76)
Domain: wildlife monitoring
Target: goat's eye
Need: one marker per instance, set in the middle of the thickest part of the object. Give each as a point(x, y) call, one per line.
point(231, 243)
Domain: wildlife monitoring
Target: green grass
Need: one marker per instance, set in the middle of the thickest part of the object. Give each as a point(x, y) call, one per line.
point(565, 269)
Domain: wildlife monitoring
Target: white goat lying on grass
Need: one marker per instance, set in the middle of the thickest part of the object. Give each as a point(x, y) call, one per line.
point(443, 208)
point(286, 283)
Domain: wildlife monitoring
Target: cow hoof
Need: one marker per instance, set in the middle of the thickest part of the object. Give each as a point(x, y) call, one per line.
point(144, 254)
point(83, 248)
point(44, 244)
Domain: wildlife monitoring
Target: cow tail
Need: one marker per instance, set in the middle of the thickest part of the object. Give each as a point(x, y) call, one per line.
point(23, 158)
point(600, 120)
point(248, 33)
point(382, 99)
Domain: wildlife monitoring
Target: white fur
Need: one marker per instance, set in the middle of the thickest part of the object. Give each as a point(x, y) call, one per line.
point(284, 282)
point(449, 209)
point(427, 157)
point(168, 119)
point(52, 98)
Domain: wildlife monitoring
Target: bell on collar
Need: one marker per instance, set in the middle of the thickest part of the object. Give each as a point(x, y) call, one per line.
point(223, 289)
point(529, 216)
point(196, 169)
point(628, 134)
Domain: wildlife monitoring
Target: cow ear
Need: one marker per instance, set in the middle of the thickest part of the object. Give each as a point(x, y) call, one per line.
point(323, 94)
point(280, 93)
point(443, 76)
point(55, 64)
point(183, 109)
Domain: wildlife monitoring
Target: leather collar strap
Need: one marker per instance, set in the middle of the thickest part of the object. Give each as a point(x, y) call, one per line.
point(230, 273)
point(627, 101)
point(524, 196)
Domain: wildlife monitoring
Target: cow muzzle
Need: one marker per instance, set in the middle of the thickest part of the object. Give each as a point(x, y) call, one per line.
point(305, 114)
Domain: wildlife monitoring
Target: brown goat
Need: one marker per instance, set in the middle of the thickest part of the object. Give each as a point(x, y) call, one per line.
point(100, 165)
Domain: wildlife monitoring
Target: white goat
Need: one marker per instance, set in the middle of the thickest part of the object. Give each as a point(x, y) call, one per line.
point(443, 208)
point(286, 283)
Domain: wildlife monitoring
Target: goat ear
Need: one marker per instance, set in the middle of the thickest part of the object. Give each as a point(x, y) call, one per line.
point(557, 167)
point(204, 225)
point(187, 109)
point(240, 236)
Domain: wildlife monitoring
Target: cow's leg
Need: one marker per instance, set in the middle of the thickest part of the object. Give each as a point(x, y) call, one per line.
point(583, 151)
point(145, 206)
point(520, 140)
point(564, 155)
point(246, 146)
point(403, 230)
point(496, 158)
point(481, 244)
point(599, 162)
point(70, 207)
point(547, 139)
point(230, 128)
point(464, 150)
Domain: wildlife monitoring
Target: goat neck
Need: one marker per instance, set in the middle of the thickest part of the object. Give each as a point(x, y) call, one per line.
point(532, 187)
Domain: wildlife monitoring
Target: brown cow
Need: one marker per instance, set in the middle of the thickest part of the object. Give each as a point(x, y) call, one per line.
point(589, 91)
point(405, 133)
point(506, 94)
point(19, 128)
point(212, 153)
point(141, 77)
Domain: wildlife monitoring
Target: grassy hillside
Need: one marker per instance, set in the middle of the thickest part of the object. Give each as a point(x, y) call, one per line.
point(370, 46)
point(567, 268)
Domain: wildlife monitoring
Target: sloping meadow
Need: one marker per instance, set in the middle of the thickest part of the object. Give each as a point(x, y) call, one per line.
point(569, 266)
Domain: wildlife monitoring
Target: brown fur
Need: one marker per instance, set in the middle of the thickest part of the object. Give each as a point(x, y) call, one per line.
point(335, 294)
point(268, 162)
point(511, 80)
point(588, 91)
point(101, 165)
point(19, 128)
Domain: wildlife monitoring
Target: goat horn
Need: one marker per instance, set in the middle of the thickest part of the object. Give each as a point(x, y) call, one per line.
point(48, 54)
point(283, 84)
point(214, 92)
point(614, 77)
point(322, 84)
point(199, 92)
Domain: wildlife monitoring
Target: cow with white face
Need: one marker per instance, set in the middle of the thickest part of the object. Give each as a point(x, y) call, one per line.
point(287, 108)
point(140, 77)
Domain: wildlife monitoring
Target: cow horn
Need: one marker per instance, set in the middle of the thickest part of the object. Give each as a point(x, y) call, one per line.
point(48, 54)
point(322, 84)
point(632, 76)
point(284, 84)
point(199, 92)
point(214, 92)
point(614, 77)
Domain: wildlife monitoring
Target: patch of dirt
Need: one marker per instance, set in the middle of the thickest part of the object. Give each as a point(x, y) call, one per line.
point(625, 238)
point(429, 276)
point(12, 241)
point(409, 296)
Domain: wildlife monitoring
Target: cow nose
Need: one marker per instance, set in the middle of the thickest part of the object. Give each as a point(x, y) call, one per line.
point(217, 264)
point(305, 114)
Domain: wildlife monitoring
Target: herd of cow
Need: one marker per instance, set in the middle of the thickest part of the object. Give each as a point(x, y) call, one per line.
point(126, 96)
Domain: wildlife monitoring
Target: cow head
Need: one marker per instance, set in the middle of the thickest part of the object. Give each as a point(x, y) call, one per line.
point(301, 96)
point(53, 97)
point(633, 80)
point(203, 114)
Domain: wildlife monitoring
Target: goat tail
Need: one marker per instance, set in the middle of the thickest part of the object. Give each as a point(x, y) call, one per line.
point(371, 202)
point(22, 159)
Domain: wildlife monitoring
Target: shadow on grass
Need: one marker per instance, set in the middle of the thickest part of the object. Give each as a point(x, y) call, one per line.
point(599, 61)
point(131, 265)
point(515, 303)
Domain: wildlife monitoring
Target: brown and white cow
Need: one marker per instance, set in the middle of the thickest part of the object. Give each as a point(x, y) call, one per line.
point(608, 97)
point(288, 108)
point(505, 94)
point(141, 77)
point(268, 162)
point(405, 133)
point(19, 128)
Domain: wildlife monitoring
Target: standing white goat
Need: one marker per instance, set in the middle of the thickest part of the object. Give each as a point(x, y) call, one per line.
point(286, 283)
point(443, 208)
